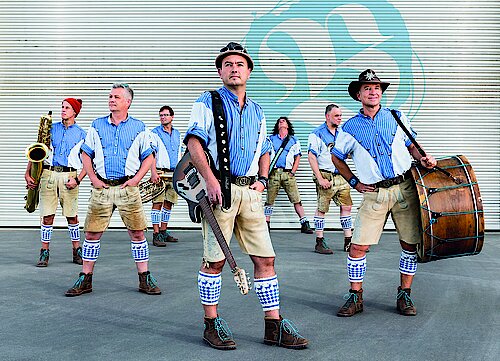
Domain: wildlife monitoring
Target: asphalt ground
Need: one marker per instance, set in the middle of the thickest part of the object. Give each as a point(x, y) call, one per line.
point(457, 300)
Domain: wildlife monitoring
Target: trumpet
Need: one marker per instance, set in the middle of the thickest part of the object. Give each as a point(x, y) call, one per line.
point(36, 154)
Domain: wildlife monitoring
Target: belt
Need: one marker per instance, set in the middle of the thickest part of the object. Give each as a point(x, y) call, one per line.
point(114, 182)
point(328, 171)
point(243, 180)
point(282, 170)
point(59, 168)
point(386, 183)
point(165, 169)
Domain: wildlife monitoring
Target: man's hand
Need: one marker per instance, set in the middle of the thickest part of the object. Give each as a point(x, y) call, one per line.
point(30, 182)
point(71, 183)
point(325, 184)
point(132, 182)
point(428, 161)
point(98, 184)
point(258, 186)
point(363, 188)
point(214, 192)
point(155, 177)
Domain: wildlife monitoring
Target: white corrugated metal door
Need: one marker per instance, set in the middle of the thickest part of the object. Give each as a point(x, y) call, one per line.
point(441, 58)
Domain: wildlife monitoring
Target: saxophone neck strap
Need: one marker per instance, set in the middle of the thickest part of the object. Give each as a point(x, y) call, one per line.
point(278, 153)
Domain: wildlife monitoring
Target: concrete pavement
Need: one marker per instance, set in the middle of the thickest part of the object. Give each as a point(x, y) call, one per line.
point(458, 302)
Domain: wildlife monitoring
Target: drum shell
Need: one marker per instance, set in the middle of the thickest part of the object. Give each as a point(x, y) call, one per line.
point(452, 216)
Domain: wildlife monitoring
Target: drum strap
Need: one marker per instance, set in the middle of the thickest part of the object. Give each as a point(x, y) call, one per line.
point(420, 150)
point(278, 153)
point(220, 123)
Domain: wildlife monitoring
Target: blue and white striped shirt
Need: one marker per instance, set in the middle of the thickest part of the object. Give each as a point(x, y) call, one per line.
point(246, 131)
point(378, 146)
point(167, 147)
point(291, 150)
point(321, 141)
point(117, 151)
point(66, 145)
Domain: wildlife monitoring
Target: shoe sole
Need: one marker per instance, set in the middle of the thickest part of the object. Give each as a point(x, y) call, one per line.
point(223, 348)
point(77, 294)
point(160, 245)
point(294, 347)
point(323, 252)
point(345, 315)
point(42, 265)
point(149, 293)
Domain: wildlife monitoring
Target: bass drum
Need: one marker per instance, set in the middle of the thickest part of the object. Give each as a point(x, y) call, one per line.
point(451, 210)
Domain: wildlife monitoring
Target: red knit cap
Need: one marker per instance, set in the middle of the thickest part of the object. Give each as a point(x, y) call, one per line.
point(76, 104)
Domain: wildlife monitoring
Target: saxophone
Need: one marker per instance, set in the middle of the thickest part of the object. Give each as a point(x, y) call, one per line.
point(36, 154)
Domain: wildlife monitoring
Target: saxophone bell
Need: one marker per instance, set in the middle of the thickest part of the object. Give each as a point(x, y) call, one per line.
point(36, 152)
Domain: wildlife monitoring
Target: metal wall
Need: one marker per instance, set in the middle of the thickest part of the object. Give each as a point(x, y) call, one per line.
point(441, 58)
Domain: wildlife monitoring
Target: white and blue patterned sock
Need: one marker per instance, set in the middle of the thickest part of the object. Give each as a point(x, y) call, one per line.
point(346, 222)
point(165, 215)
point(268, 291)
point(46, 233)
point(319, 223)
point(408, 263)
point(155, 216)
point(303, 220)
point(140, 251)
point(268, 211)
point(209, 286)
point(74, 232)
point(91, 250)
point(356, 268)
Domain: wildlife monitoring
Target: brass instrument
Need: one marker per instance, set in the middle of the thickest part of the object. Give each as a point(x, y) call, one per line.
point(150, 190)
point(36, 154)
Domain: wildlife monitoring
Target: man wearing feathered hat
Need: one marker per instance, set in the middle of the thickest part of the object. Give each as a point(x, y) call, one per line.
point(382, 154)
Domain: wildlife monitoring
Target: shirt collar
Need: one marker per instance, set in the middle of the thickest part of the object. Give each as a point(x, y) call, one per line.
point(231, 95)
point(124, 121)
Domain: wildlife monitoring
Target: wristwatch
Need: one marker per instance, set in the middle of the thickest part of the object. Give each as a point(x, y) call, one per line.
point(77, 180)
point(263, 180)
point(353, 181)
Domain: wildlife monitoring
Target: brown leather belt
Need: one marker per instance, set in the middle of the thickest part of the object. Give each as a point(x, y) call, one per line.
point(114, 182)
point(59, 168)
point(165, 169)
point(386, 183)
point(243, 180)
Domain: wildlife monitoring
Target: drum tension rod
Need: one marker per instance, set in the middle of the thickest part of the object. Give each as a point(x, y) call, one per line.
point(436, 215)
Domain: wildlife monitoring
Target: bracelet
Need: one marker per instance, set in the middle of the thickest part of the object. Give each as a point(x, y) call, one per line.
point(292, 173)
point(353, 181)
point(77, 180)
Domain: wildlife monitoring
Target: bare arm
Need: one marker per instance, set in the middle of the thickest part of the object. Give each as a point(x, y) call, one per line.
point(295, 165)
point(264, 162)
point(346, 172)
point(89, 169)
point(428, 161)
point(200, 162)
point(313, 162)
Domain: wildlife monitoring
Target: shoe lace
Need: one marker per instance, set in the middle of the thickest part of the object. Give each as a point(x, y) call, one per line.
point(406, 297)
point(289, 327)
point(79, 281)
point(79, 251)
point(151, 281)
point(222, 329)
point(45, 255)
point(350, 298)
point(323, 244)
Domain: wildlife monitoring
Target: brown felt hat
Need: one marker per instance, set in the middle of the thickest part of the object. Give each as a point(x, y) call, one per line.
point(366, 77)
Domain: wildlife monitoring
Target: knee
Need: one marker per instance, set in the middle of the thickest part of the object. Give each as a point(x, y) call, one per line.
point(358, 250)
point(213, 267)
point(136, 236)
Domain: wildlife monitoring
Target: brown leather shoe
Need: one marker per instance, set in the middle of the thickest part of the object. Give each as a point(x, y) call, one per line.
point(321, 246)
point(148, 284)
point(167, 237)
point(283, 333)
point(43, 261)
point(217, 334)
point(158, 240)
point(404, 303)
point(82, 285)
point(353, 305)
point(77, 255)
point(306, 228)
point(347, 244)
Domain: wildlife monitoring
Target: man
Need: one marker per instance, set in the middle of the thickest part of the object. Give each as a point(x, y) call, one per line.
point(116, 154)
point(167, 141)
point(382, 154)
point(283, 172)
point(60, 179)
point(329, 183)
point(249, 167)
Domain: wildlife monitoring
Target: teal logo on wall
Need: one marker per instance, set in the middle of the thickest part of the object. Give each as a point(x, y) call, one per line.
point(307, 51)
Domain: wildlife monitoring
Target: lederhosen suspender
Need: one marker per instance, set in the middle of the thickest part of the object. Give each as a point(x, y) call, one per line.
point(220, 124)
point(278, 153)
